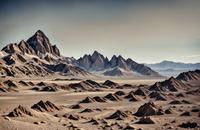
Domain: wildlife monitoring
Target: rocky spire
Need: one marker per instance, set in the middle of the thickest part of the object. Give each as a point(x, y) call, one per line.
point(41, 44)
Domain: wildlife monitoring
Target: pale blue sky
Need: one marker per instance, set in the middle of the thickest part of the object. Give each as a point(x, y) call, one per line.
point(147, 32)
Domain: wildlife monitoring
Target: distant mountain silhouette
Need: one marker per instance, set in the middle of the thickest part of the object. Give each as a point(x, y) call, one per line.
point(170, 68)
point(174, 65)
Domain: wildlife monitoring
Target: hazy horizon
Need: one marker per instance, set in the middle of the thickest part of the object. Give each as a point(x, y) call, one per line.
point(147, 32)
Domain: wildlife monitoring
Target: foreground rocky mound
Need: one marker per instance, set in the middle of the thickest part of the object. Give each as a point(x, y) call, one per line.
point(110, 84)
point(120, 93)
point(118, 115)
point(171, 84)
point(76, 106)
point(149, 109)
point(189, 76)
point(132, 97)
point(99, 99)
point(112, 97)
point(8, 86)
point(146, 120)
point(140, 92)
point(21, 111)
point(45, 106)
point(85, 85)
point(157, 96)
point(189, 125)
point(87, 100)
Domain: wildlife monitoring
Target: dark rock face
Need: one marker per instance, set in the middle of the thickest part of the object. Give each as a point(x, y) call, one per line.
point(146, 120)
point(26, 48)
point(189, 125)
point(9, 60)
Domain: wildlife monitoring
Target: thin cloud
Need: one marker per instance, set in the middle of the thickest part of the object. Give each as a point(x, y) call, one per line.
point(191, 56)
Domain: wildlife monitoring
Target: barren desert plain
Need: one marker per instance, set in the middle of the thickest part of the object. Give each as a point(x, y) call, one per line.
point(98, 105)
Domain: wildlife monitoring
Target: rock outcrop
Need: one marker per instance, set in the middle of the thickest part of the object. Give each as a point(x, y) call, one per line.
point(189, 76)
point(45, 106)
point(149, 109)
point(87, 100)
point(21, 111)
point(118, 115)
point(112, 97)
point(110, 84)
point(170, 84)
point(146, 120)
point(85, 85)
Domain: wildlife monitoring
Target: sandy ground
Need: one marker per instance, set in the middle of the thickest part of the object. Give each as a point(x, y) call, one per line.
point(65, 99)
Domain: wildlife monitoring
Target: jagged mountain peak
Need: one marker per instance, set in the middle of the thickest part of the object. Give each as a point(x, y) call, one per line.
point(114, 57)
point(40, 37)
point(40, 43)
point(96, 55)
point(95, 62)
point(120, 57)
point(39, 32)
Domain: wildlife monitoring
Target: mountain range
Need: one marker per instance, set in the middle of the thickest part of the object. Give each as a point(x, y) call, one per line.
point(170, 68)
point(39, 57)
point(36, 57)
point(116, 66)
